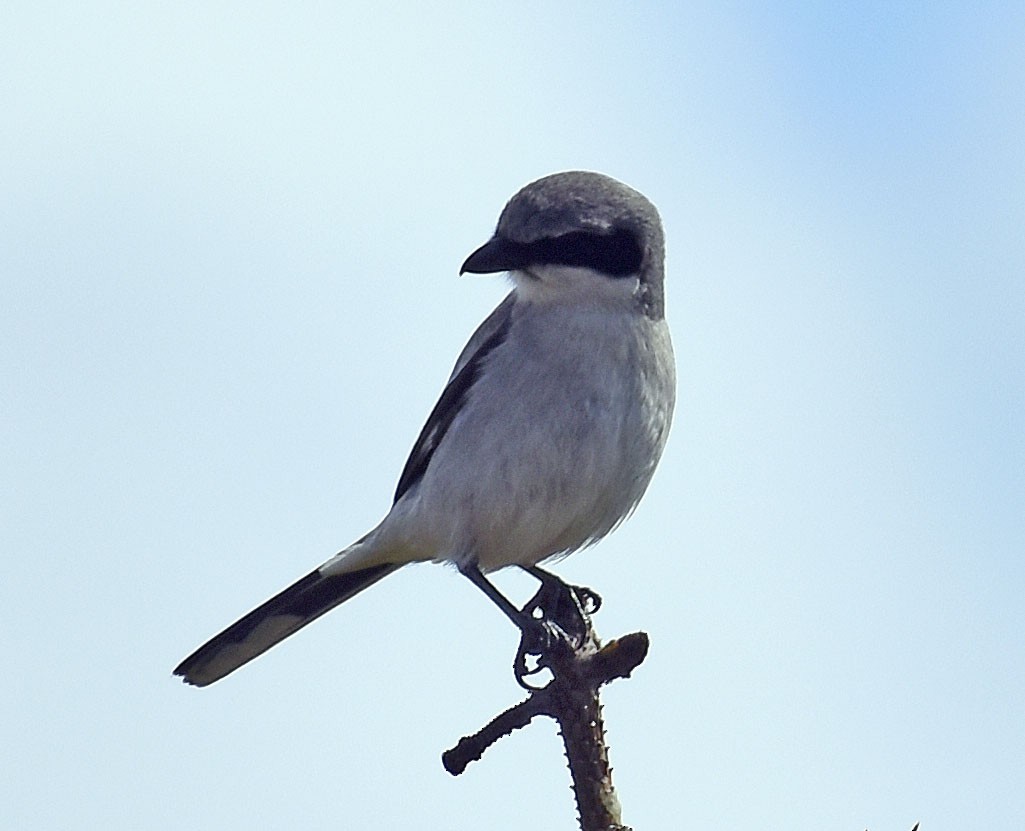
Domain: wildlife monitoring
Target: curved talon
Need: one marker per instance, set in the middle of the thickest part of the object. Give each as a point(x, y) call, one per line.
point(538, 641)
point(522, 681)
point(523, 670)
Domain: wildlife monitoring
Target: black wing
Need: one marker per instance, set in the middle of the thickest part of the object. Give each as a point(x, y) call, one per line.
point(489, 335)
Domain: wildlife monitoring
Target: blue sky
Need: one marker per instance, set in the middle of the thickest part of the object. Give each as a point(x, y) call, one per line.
point(229, 244)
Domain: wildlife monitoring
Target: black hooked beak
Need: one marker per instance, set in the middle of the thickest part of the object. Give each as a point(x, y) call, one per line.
point(497, 254)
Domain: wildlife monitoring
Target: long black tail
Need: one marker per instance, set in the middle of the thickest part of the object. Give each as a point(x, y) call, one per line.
point(282, 615)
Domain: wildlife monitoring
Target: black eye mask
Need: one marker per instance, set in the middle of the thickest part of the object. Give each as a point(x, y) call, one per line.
point(617, 254)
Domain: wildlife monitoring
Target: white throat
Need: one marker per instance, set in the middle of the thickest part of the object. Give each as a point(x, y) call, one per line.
point(576, 284)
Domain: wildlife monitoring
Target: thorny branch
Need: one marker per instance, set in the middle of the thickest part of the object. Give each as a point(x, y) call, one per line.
point(579, 666)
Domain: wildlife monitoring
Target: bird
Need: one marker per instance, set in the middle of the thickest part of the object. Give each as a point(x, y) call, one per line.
point(551, 424)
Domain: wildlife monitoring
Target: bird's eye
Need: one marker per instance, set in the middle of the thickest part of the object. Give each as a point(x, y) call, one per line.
point(617, 254)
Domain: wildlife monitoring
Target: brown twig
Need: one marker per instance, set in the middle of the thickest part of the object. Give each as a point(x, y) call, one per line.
point(571, 698)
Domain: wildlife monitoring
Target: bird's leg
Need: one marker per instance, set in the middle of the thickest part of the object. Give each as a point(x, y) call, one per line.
point(539, 632)
point(473, 573)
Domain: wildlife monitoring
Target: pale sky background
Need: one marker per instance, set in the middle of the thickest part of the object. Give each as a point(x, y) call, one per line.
point(229, 244)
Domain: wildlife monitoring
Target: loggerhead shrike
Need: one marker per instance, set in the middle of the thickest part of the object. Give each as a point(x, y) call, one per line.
point(549, 428)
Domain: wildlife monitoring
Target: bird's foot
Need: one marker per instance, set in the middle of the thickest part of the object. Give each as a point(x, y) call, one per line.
point(567, 606)
point(556, 617)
